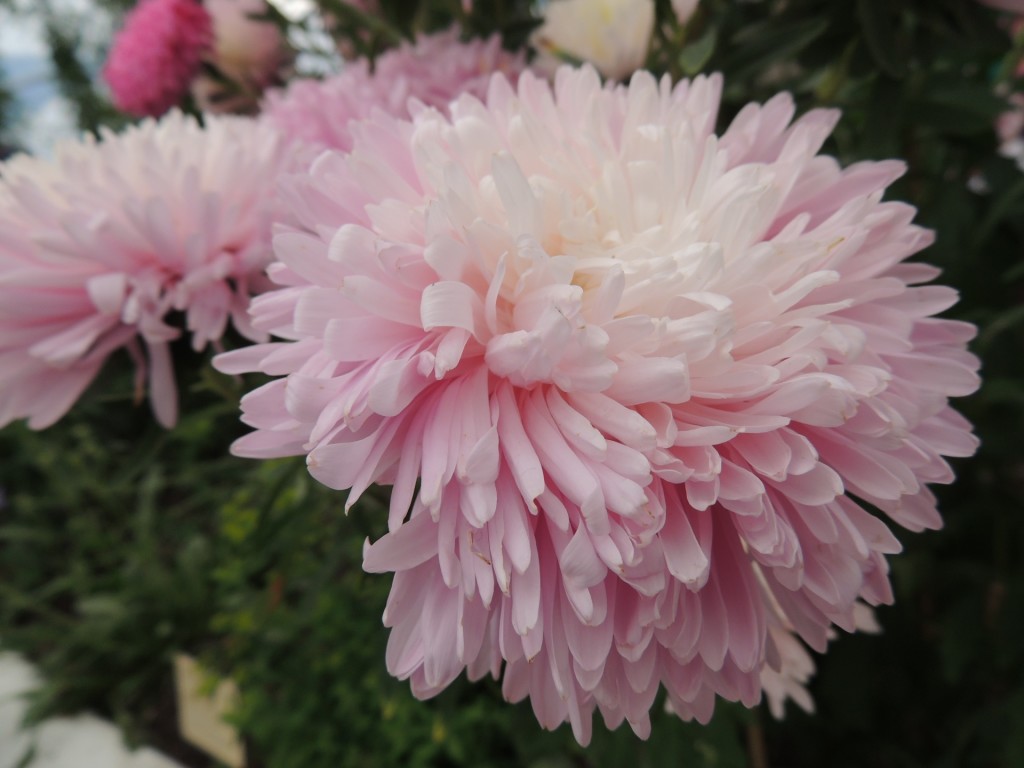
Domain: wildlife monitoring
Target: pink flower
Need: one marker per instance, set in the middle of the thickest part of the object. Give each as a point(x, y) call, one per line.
point(248, 51)
point(100, 245)
point(684, 9)
point(433, 71)
point(437, 68)
point(632, 383)
point(156, 54)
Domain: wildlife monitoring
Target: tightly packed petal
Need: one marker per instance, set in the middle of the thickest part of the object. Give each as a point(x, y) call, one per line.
point(156, 54)
point(639, 389)
point(100, 245)
point(433, 71)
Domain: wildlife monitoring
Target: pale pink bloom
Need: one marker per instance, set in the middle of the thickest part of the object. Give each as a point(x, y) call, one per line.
point(437, 68)
point(100, 245)
point(630, 381)
point(249, 52)
point(156, 54)
point(247, 48)
point(684, 9)
point(432, 71)
point(613, 35)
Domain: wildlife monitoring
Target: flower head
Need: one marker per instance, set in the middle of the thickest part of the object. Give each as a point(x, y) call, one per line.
point(248, 51)
point(633, 384)
point(684, 9)
point(432, 71)
point(156, 54)
point(613, 35)
point(101, 244)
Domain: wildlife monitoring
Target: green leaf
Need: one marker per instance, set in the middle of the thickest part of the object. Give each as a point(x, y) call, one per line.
point(999, 211)
point(695, 56)
point(1004, 321)
point(763, 44)
point(951, 105)
point(880, 34)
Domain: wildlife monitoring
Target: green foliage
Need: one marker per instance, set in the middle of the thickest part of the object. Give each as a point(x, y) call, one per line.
point(121, 544)
point(106, 554)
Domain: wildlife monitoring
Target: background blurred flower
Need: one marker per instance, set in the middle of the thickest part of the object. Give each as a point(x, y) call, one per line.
point(613, 35)
point(433, 70)
point(249, 53)
point(156, 55)
point(631, 383)
point(102, 244)
point(684, 9)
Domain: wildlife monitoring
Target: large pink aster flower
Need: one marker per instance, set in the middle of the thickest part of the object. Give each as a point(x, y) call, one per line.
point(433, 71)
point(635, 386)
point(100, 245)
point(156, 54)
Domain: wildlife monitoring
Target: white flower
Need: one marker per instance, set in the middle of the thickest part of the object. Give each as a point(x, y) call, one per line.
point(611, 34)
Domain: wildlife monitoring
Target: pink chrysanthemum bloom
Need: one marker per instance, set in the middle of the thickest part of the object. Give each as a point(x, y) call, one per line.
point(433, 71)
point(100, 245)
point(633, 384)
point(156, 54)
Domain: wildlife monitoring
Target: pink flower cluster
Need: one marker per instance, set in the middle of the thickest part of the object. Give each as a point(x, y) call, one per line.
point(432, 71)
point(638, 388)
point(100, 245)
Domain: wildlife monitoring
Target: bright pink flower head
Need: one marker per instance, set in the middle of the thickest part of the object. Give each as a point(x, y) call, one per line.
point(156, 54)
point(433, 71)
point(633, 385)
point(100, 245)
